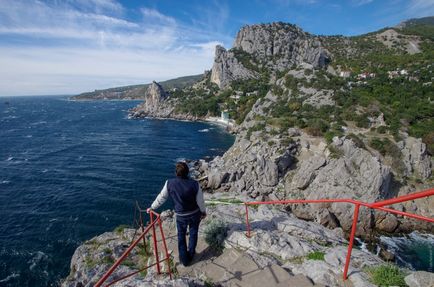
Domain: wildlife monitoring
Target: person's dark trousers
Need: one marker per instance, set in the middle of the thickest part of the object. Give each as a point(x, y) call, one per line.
point(182, 223)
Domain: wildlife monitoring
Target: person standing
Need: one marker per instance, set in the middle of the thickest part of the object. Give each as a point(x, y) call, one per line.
point(189, 205)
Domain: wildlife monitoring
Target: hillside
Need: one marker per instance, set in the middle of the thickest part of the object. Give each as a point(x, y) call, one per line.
point(136, 91)
point(319, 116)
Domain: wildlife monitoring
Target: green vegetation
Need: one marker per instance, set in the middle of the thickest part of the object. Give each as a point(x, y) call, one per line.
point(386, 275)
point(120, 229)
point(215, 233)
point(316, 255)
point(139, 90)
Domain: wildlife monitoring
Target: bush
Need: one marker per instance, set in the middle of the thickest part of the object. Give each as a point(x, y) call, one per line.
point(316, 255)
point(215, 233)
point(356, 140)
point(386, 275)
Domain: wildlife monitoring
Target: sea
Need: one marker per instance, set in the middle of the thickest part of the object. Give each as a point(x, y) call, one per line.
point(71, 170)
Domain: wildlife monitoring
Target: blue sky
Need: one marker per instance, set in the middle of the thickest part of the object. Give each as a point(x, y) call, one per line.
point(72, 46)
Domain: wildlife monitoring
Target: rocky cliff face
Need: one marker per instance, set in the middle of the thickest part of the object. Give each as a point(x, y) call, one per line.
point(227, 68)
point(157, 104)
point(277, 46)
point(263, 165)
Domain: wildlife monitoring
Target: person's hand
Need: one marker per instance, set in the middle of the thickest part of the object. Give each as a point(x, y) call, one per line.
point(148, 210)
point(203, 215)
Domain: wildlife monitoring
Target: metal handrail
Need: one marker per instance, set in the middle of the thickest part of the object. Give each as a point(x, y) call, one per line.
point(151, 225)
point(375, 205)
point(156, 219)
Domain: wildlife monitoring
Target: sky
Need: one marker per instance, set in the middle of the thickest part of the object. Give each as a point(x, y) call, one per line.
point(53, 47)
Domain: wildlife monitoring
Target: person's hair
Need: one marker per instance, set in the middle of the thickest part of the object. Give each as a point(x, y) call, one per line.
point(182, 169)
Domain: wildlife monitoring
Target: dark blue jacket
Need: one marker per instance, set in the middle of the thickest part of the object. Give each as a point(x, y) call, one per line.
point(183, 192)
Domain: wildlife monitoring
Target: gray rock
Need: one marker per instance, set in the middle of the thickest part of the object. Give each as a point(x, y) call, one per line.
point(415, 157)
point(226, 68)
point(420, 279)
point(277, 46)
point(306, 172)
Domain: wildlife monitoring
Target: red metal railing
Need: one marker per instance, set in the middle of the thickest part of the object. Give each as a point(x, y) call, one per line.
point(375, 205)
point(154, 220)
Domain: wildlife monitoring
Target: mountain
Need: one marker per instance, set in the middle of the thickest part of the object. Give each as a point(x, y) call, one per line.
point(320, 116)
point(316, 117)
point(137, 91)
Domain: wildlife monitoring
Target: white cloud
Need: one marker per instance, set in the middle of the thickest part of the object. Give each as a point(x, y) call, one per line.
point(420, 8)
point(80, 45)
point(361, 2)
point(152, 15)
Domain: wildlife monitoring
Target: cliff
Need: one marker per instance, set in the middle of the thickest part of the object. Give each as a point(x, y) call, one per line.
point(317, 117)
point(308, 130)
point(136, 92)
point(276, 46)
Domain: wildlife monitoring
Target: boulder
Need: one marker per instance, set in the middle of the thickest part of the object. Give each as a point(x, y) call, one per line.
point(415, 157)
point(420, 279)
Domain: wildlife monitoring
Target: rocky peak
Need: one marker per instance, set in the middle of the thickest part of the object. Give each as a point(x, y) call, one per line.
point(154, 95)
point(227, 68)
point(276, 46)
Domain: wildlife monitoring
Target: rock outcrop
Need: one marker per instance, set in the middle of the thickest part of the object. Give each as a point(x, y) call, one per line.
point(307, 168)
point(277, 46)
point(227, 68)
point(277, 254)
point(415, 157)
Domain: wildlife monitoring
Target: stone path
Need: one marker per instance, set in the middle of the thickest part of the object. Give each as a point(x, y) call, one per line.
point(231, 267)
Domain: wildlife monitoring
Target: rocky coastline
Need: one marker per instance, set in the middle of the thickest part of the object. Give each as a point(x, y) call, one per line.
point(292, 163)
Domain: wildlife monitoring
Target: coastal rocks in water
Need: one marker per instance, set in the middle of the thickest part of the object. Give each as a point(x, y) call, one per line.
point(154, 95)
point(94, 257)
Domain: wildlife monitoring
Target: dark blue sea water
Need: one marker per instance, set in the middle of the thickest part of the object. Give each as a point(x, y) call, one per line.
point(72, 170)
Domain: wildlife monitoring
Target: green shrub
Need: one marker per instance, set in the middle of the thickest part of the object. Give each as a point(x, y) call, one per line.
point(316, 255)
point(329, 136)
point(356, 140)
point(335, 152)
point(386, 275)
point(382, 129)
point(215, 233)
point(120, 229)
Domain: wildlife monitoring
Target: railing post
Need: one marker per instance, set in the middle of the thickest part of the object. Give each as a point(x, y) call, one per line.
point(142, 227)
point(247, 220)
point(350, 245)
point(154, 235)
point(163, 238)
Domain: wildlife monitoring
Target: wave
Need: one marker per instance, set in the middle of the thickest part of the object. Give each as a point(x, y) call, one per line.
point(39, 257)
point(203, 130)
point(38, 123)
point(8, 278)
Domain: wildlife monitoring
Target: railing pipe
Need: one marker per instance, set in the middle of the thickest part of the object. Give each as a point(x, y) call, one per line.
point(125, 254)
point(154, 235)
point(165, 247)
point(411, 196)
point(247, 220)
point(350, 245)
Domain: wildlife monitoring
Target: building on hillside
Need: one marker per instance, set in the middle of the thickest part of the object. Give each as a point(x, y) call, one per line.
point(224, 116)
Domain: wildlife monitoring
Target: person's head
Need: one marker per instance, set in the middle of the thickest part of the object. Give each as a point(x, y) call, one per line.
point(182, 169)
